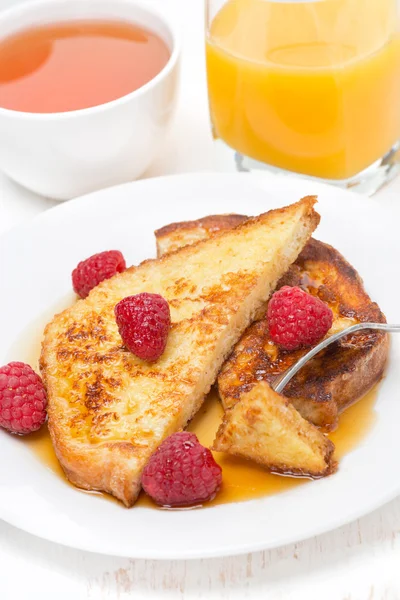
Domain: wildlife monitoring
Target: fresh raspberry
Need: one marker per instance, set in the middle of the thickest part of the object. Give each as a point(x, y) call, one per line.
point(297, 319)
point(95, 269)
point(23, 398)
point(182, 472)
point(143, 322)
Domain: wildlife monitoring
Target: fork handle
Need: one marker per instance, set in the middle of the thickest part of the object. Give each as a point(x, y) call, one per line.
point(280, 382)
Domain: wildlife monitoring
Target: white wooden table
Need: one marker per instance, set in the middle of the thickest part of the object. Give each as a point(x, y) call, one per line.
point(358, 562)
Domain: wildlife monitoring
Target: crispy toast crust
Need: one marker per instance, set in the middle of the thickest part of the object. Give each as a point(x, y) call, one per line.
point(210, 223)
point(338, 376)
point(265, 427)
point(175, 235)
point(108, 410)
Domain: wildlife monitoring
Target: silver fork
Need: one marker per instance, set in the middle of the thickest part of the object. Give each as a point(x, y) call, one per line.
point(281, 381)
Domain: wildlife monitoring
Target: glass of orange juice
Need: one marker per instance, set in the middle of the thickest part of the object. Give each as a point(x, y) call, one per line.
point(307, 86)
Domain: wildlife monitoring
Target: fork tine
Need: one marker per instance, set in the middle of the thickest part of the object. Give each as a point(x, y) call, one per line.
point(281, 381)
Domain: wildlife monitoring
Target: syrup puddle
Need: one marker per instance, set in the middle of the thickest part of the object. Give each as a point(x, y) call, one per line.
point(27, 346)
point(242, 479)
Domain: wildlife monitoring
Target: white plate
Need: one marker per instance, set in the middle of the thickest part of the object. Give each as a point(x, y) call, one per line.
point(37, 260)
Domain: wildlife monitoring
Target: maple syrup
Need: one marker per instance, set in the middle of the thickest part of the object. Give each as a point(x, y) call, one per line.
point(242, 479)
point(27, 346)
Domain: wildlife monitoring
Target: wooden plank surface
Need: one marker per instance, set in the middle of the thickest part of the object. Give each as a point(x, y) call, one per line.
point(360, 561)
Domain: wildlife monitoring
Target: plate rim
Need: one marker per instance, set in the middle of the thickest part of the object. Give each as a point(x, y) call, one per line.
point(290, 181)
point(217, 552)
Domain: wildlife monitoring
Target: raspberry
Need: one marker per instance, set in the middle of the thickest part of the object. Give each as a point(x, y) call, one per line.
point(95, 269)
point(297, 319)
point(182, 472)
point(23, 398)
point(143, 322)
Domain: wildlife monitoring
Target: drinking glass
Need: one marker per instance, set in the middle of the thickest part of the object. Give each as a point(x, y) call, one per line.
point(307, 86)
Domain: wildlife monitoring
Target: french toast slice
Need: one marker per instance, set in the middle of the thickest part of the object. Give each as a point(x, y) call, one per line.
point(338, 376)
point(265, 427)
point(108, 410)
point(176, 235)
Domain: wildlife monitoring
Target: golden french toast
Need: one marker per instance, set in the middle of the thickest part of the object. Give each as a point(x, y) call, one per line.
point(335, 378)
point(265, 427)
point(174, 236)
point(108, 410)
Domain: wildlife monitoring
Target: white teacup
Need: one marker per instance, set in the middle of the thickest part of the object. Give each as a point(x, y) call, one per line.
point(62, 155)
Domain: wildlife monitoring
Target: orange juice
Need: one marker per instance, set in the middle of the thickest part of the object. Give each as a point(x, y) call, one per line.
point(311, 87)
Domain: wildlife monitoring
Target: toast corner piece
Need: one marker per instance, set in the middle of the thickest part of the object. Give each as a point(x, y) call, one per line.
point(174, 236)
point(266, 428)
